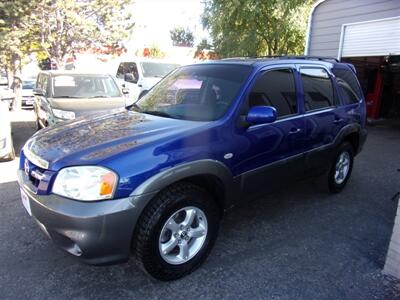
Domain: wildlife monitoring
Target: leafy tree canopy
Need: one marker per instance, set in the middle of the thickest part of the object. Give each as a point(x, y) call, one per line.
point(257, 27)
point(182, 37)
point(58, 27)
point(15, 31)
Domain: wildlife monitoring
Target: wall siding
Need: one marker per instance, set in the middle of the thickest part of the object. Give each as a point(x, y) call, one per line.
point(329, 16)
point(392, 265)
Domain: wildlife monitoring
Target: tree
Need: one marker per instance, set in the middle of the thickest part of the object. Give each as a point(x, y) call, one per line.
point(55, 28)
point(156, 52)
point(68, 25)
point(257, 27)
point(16, 38)
point(203, 51)
point(182, 37)
point(204, 44)
point(16, 34)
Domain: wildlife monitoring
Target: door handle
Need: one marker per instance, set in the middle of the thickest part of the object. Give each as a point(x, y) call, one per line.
point(338, 121)
point(294, 130)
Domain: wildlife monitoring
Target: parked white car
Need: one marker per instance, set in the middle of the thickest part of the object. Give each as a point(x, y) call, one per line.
point(139, 75)
point(28, 85)
point(6, 94)
point(6, 144)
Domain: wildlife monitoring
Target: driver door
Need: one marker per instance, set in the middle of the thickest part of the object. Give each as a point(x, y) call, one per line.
point(271, 154)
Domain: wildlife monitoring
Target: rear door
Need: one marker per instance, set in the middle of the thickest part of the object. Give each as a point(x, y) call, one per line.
point(322, 119)
point(271, 154)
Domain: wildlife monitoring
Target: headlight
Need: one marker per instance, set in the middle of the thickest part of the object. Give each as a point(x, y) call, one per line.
point(86, 183)
point(64, 114)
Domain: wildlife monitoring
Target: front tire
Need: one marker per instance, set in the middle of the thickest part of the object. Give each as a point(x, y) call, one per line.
point(176, 232)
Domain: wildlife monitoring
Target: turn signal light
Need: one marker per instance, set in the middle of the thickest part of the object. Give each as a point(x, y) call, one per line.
point(107, 184)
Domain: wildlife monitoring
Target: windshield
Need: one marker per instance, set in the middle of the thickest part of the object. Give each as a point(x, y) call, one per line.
point(156, 69)
point(198, 93)
point(84, 86)
point(28, 85)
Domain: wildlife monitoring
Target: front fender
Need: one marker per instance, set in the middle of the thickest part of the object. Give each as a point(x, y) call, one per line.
point(186, 170)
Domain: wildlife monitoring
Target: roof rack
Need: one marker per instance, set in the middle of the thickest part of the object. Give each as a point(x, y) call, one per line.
point(321, 58)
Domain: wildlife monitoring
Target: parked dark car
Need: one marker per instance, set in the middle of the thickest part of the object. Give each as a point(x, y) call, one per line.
point(154, 180)
point(65, 95)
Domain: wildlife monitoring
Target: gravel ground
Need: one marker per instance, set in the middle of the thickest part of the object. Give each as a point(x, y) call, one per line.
point(295, 244)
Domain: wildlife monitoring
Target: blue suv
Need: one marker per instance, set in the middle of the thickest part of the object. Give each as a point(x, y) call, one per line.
point(153, 180)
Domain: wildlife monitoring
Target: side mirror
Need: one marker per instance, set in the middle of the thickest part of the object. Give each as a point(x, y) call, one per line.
point(130, 77)
point(261, 115)
point(39, 92)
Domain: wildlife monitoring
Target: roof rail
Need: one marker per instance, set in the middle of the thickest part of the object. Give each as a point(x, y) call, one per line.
point(321, 58)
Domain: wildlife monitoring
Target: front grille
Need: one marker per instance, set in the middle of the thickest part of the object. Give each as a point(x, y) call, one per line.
point(34, 181)
point(38, 177)
point(32, 171)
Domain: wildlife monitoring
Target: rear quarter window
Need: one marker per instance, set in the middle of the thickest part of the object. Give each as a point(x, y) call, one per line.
point(349, 89)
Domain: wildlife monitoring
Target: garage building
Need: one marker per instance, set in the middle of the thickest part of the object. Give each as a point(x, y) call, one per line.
point(365, 33)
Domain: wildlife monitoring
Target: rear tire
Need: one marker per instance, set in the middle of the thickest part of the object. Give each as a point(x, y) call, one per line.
point(341, 168)
point(176, 231)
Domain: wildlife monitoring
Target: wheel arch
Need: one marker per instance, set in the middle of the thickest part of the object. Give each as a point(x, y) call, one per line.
point(209, 174)
point(352, 134)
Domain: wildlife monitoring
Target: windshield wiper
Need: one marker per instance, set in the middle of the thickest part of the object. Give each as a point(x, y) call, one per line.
point(157, 113)
point(65, 97)
point(100, 96)
point(134, 106)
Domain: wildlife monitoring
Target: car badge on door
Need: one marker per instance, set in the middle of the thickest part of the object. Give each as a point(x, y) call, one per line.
point(26, 167)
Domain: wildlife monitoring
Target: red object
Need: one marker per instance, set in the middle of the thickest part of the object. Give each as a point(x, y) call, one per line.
point(146, 52)
point(374, 98)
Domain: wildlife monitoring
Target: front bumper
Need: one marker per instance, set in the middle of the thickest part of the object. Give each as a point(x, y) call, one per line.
point(27, 101)
point(97, 232)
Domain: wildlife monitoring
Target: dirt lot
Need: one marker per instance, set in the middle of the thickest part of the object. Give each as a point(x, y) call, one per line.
point(294, 244)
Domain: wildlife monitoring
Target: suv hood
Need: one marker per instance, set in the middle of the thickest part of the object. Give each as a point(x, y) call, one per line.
point(89, 140)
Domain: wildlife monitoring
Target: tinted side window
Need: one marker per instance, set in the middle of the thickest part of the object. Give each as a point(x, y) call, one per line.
point(132, 68)
point(275, 88)
point(39, 81)
point(348, 85)
point(120, 71)
point(45, 86)
point(317, 87)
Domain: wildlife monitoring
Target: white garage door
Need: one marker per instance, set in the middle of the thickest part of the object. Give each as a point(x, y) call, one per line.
point(372, 38)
